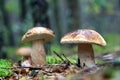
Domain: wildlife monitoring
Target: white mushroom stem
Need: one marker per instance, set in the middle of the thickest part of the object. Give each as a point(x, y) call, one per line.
point(28, 58)
point(38, 55)
point(26, 61)
point(86, 55)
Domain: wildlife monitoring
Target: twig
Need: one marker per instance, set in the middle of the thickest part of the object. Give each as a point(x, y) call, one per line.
point(67, 58)
point(59, 56)
point(89, 70)
point(117, 63)
point(33, 73)
point(32, 68)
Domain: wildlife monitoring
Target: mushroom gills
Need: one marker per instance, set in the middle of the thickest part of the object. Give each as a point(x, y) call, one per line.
point(86, 55)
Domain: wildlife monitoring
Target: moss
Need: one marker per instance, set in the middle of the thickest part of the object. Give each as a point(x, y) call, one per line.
point(5, 64)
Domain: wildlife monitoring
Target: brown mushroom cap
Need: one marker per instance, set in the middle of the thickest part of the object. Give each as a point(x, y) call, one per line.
point(24, 51)
point(37, 33)
point(84, 36)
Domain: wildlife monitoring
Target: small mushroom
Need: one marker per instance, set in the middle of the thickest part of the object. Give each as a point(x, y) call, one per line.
point(38, 36)
point(84, 38)
point(25, 52)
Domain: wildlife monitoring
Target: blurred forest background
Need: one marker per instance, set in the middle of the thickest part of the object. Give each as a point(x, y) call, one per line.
point(62, 16)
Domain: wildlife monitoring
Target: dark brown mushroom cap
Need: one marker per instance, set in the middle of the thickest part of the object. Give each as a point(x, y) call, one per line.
point(23, 51)
point(84, 36)
point(37, 33)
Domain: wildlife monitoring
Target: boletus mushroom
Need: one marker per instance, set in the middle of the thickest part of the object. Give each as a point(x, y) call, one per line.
point(38, 36)
point(25, 52)
point(84, 38)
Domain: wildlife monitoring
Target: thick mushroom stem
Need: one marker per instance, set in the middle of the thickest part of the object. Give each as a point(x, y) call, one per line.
point(38, 55)
point(86, 55)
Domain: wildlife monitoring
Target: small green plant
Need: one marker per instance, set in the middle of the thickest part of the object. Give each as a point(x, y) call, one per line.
point(56, 60)
point(53, 60)
point(5, 64)
point(42, 78)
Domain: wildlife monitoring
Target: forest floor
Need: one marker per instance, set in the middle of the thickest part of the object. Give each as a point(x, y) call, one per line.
point(68, 71)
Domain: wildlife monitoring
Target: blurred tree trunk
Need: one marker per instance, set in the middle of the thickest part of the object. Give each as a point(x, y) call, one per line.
point(119, 16)
point(2, 41)
point(39, 13)
point(1, 32)
point(23, 9)
point(13, 24)
point(63, 16)
point(7, 23)
point(119, 4)
point(58, 14)
point(53, 18)
point(75, 9)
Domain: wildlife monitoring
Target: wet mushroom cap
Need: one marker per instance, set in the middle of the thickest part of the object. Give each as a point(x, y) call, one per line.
point(38, 33)
point(24, 51)
point(84, 36)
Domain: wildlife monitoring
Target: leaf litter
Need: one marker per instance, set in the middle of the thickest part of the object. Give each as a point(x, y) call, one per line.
point(65, 70)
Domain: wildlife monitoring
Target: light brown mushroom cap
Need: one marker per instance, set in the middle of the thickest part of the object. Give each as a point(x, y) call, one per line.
point(37, 33)
point(24, 51)
point(84, 36)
